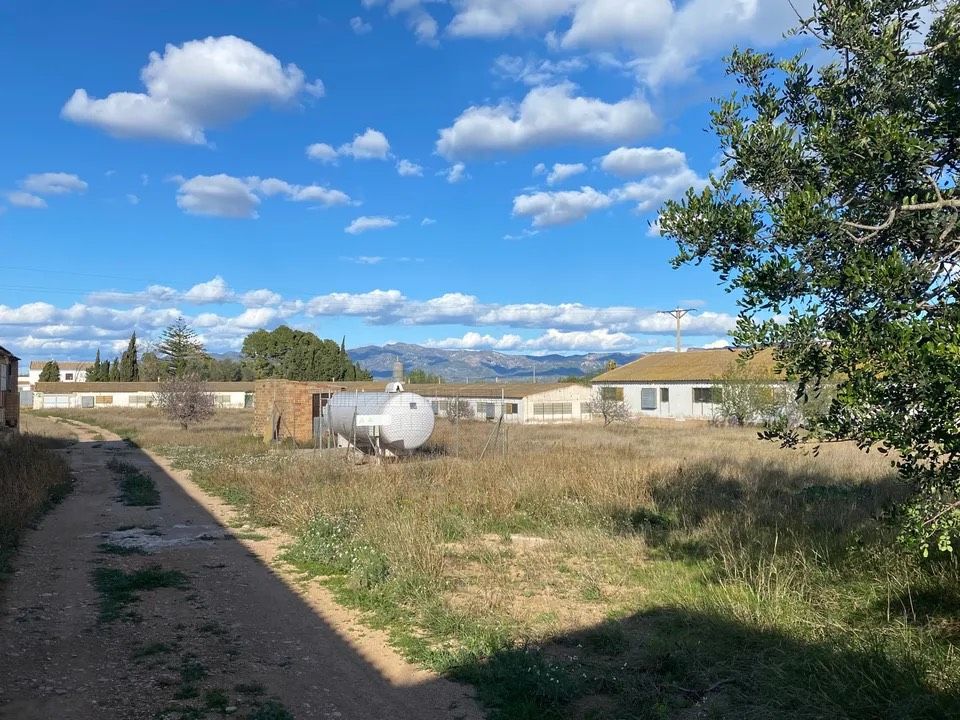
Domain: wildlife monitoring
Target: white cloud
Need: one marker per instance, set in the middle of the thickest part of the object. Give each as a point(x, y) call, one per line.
point(321, 152)
point(651, 192)
point(662, 41)
point(53, 183)
point(370, 145)
point(132, 199)
point(552, 340)
point(422, 24)
point(405, 168)
point(670, 178)
point(373, 303)
point(218, 196)
point(547, 115)
point(25, 200)
point(227, 196)
point(559, 208)
point(496, 18)
point(563, 171)
point(455, 173)
point(260, 298)
point(611, 23)
point(427, 221)
point(359, 26)
point(212, 291)
point(717, 344)
point(532, 71)
point(189, 88)
point(631, 162)
point(564, 326)
point(364, 223)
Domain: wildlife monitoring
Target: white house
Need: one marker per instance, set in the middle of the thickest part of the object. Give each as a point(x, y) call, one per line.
point(66, 395)
point(676, 385)
point(69, 371)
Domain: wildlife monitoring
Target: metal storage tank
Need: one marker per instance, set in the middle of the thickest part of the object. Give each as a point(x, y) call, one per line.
point(406, 419)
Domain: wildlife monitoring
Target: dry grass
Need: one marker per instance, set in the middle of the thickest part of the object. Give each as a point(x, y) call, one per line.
point(650, 570)
point(32, 479)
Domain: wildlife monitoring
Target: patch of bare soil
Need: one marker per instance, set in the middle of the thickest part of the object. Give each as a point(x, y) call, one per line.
point(164, 612)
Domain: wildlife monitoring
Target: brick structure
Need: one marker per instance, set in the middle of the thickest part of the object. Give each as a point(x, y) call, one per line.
point(285, 409)
point(9, 392)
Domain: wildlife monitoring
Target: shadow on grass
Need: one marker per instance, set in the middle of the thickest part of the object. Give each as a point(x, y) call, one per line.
point(675, 663)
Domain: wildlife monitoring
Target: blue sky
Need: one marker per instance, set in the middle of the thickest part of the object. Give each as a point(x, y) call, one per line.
point(471, 173)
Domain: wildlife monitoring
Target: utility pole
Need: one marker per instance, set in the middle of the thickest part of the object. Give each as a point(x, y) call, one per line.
point(679, 314)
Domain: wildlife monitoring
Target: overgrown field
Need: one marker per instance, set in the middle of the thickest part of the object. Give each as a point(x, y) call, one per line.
point(32, 479)
point(640, 571)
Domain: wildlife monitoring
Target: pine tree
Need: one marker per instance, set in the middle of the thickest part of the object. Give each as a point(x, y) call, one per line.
point(180, 347)
point(50, 372)
point(129, 370)
point(93, 374)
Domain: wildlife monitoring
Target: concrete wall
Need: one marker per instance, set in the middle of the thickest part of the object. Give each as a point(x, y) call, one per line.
point(556, 405)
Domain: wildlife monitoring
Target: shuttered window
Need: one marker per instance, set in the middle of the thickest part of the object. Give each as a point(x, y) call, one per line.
point(648, 398)
point(612, 393)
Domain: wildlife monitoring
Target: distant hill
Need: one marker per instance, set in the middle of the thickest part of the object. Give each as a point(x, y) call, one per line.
point(473, 365)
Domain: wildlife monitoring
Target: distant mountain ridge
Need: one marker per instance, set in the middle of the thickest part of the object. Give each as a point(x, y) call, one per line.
point(474, 365)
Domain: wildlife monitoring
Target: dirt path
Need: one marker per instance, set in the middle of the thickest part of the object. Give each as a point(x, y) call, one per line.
point(239, 637)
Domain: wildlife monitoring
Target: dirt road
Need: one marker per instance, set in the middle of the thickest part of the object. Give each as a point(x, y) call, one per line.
point(233, 636)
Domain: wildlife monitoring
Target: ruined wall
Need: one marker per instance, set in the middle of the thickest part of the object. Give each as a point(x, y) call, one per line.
point(286, 407)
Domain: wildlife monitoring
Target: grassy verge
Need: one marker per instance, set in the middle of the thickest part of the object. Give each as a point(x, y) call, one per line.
point(32, 480)
point(635, 572)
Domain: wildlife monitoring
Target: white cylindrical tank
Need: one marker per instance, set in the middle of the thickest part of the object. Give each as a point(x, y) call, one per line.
point(405, 419)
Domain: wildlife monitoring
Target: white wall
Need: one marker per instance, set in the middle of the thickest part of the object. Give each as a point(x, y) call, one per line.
point(574, 396)
point(60, 401)
point(680, 405)
point(78, 376)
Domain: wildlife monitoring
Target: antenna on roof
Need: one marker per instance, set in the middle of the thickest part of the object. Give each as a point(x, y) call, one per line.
point(679, 314)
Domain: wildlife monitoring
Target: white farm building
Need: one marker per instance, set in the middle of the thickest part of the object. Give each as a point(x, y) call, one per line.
point(71, 372)
point(677, 385)
point(519, 403)
point(67, 395)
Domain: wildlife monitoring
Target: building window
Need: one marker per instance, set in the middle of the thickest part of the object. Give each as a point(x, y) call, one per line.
point(664, 395)
point(648, 398)
point(708, 395)
point(104, 399)
point(612, 393)
point(511, 408)
point(552, 410)
point(68, 376)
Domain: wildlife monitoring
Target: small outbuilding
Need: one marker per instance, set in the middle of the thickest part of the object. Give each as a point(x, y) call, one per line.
point(9, 392)
point(678, 385)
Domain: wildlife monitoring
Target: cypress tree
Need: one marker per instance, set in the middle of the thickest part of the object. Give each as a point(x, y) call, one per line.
point(93, 374)
point(115, 370)
point(104, 375)
point(129, 370)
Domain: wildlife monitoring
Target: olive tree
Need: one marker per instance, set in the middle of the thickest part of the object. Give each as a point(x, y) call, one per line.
point(834, 218)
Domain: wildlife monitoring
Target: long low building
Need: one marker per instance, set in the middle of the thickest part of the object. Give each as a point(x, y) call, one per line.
point(66, 395)
point(678, 385)
point(289, 409)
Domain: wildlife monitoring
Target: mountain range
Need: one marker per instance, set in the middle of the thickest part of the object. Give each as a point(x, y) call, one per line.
point(472, 365)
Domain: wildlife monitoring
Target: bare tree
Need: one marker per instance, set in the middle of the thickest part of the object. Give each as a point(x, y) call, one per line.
point(185, 400)
point(459, 409)
point(609, 405)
